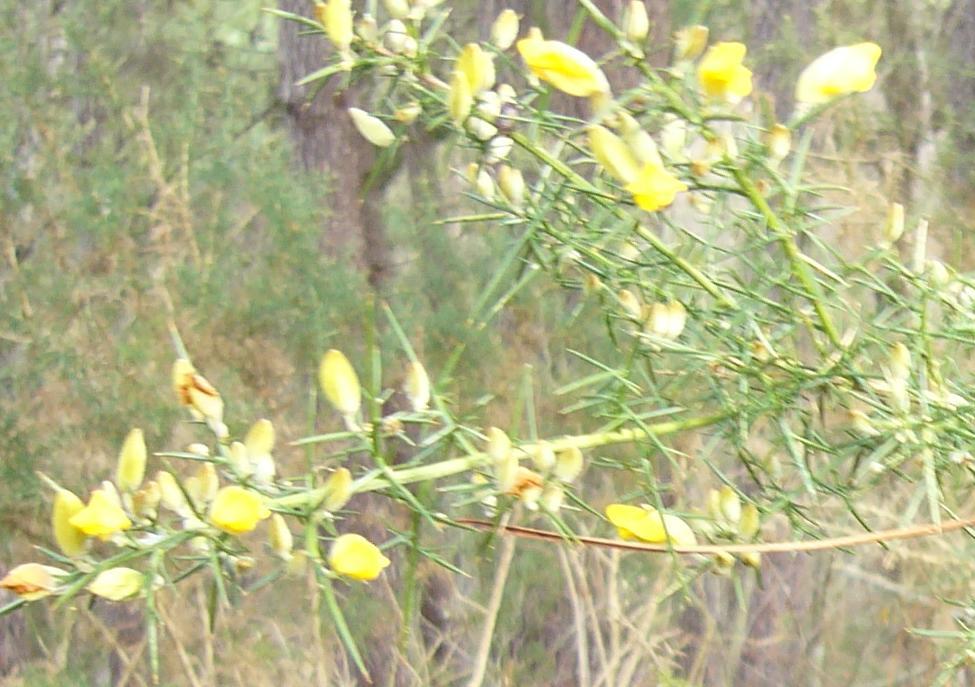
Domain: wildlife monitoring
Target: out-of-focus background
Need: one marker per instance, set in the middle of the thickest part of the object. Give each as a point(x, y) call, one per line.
point(157, 162)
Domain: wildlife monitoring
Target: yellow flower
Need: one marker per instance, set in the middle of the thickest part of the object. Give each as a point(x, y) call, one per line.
point(417, 386)
point(355, 556)
point(339, 382)
point(568, 69)
point(654, 187)
point(848, 69)
point(117, 584)
point(258, 445)
point(336, 16)
point(477, 67)
point(32, 581)
point(504, 30)
point(646, 524)
point(460, 100)
point(721, 73)
point(236, 510)
point(71, 540)
point(102, 517)
point(613, 154)
point(280, 538)
point(636, 23)
point(338, 490)
point(131, 462)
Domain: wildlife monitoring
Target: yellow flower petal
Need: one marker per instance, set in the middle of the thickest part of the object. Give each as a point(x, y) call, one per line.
point(339, 382)
point(646, 524)
point(477, 67)
point(504, 30)
point(236, 510)
point(566, 68)
point(613, 154)
point(373, 129)
point(354, 556)
point(417, 386)
point(460, 99)
point(117, 584)
point(131, 462)
point(721, 73)
point(843, 70)
point(338, 490)
point(71, 540)
point(336, 15)
point(102, 517)
point(654, 187)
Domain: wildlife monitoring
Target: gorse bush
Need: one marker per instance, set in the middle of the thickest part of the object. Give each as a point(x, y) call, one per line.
point(801, 375)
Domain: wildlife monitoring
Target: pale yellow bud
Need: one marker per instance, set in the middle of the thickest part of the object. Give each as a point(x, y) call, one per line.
point(260, 438)
point(894, 226)
point(145, 502)
point(507, 94)
point(239, 460)
point(372, 128)
point(498, 149)
point(677, 319)
point(690, 42)
point(408, 113)
point(172, 495)
point(202, 486)
point(749, 523)
point(779, 142)
point(460, 99)
point(631, 304)
point(512, 185)
point(612, 153)
point(753, 559)
point(899, 362)
point(551, 497)
point(543, 456)
point(730, 504)
point(367, 28)
point(70, 539)
point(131, 466)
point(32, 581)
point(339, 383)
point(498, 444)
point(506, 472)
point(117, 584)
point(396, 36)
point(477, 66)
point(484, 184)
point(636, 23)
point(417, 386)
point(568, 464)
point(504, 30)
point(338, 490)
point(279, 537)
point(714, 505)
point(938, 274)
point(723, 563)
point(398, 9)
point(199, 449)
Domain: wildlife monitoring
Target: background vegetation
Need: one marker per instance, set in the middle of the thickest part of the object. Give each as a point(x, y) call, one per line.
point(150, 172)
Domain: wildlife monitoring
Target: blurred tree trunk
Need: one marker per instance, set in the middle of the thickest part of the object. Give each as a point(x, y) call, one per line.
point(326, 142)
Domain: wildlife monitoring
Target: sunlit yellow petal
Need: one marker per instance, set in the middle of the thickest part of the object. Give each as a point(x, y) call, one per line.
point(131, 462)
point(117, 584)
point(654, 187)
point(339, 382)
point(843, 70)
point(102, 517)
point(236, 510)
point(721, 74)
point(566, 68)
point(70, 539)
point(354, 556)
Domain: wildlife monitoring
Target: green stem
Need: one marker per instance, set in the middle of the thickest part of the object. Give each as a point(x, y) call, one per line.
point(455, 466)
point(800, 268)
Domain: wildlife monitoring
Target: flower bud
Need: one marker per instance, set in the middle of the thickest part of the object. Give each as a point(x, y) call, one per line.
point(631, 304)
point(117, 584)
point(504, 30)
point(484, 184)
point(498, 149)
point(498, 444)
point(894, 226)
point(749, 523)
point(202, 486)
point(543, 456)
point(372, 128)
point(70, 539)
point(753, 559)
point(417, 386)
point(260, 438)
point(938, 274)
point(568, 464)
point(512, 185)
point(551, 497)
point(172, 496)
point(779, 142)
point(279, 537)
point(145, 502)
point(640, 143)
point(690, 43)
point(723, 563)
point(899, 362)
point(367, 28)
point(636, 23)
point(396, 37)
point(730, 504)
point(339, 383)
point(338, 490)
point(336, 17)
point(131, 467)
point(195, 391)
point(408, 113)
point(398, 9)
point(506, 473)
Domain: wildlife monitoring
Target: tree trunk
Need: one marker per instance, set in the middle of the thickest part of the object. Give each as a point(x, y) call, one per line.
point(326, 143)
